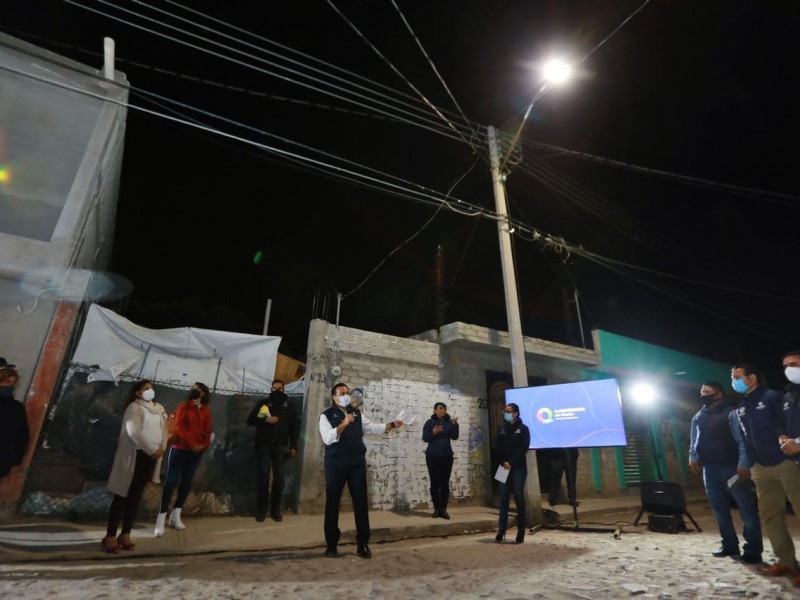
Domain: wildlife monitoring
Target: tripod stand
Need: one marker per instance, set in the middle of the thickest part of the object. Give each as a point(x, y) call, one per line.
point(570, 467)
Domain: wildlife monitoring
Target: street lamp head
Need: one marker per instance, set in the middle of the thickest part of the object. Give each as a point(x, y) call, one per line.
point(556, 71)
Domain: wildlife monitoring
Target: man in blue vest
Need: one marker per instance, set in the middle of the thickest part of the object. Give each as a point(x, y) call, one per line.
point(790, 443)
point(717, 449)
point(762, 423)
point(342, 428)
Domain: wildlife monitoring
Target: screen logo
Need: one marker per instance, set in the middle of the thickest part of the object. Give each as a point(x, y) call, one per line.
point(544, 416)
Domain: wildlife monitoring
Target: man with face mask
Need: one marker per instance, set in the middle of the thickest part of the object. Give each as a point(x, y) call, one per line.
point(762, 422)
point(342, 429)
point(716, 448)
point(13, 422)
point(277, 431)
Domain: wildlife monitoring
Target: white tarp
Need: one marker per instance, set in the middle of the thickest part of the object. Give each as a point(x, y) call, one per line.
point(220, 359)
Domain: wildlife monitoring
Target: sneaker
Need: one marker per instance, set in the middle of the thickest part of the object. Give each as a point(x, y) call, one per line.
point(363, 551)
point(721, 552)
point(331, 552)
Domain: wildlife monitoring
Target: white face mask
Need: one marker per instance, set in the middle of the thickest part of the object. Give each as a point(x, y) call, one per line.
point(792, 374)
point(148, 395)
point(344, 400)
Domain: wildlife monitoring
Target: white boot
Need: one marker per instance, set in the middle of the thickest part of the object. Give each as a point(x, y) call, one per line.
point(160, 524)
point(175, 519)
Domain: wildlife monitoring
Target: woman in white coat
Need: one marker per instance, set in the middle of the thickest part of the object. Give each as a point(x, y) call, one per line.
point(142, 441)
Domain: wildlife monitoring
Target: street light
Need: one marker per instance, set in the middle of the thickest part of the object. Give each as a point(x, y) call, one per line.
point(519, 372)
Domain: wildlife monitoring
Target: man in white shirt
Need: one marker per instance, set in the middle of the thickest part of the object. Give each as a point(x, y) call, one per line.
point(342, 428)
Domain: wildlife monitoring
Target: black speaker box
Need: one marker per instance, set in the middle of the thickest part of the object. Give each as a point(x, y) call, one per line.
point(663, 497)
point(666, 523)
point(668, 501)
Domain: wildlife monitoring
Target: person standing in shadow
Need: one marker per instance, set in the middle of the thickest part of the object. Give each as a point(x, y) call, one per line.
point(437, 432)
point(513, 441)
point(558, 462)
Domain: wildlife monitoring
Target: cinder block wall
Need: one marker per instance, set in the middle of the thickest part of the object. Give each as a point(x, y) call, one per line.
point(412, 374)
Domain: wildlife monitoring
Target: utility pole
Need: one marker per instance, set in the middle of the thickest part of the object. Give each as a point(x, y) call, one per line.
point(516, 341)
point(519, 369)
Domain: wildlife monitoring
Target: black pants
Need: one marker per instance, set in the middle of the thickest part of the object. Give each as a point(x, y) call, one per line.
point(125, 508)
point(355, 476)
point(557, 466)
point(270, 457)
point(439, 469)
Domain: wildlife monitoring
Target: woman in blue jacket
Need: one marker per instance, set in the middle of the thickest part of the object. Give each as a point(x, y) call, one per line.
point(437, 432)
point(513, 441)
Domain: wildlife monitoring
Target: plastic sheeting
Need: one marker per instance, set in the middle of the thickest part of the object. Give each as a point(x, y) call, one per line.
point(114, 347)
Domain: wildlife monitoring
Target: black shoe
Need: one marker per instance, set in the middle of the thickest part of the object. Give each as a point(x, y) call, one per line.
point(261, 518)
point(749, 559)
point(721, 553)
point(444, 515)
point(500, 536)
point(276, 516)
point(363, 551)
point(436, 514)
point(520, 536)
point(331, 551)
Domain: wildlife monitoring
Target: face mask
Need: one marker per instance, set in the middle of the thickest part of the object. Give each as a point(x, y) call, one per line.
point(194, 394)
point(739, 385)
point(706, 397)
point(148, 395)
point(7, 391)
point(344, 400)
point(508, 417)
point(792, 374)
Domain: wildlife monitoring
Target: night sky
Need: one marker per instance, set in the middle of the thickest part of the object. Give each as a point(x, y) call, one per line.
point(670, 158)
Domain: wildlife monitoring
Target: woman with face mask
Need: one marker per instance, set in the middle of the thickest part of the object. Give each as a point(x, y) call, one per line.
point(437, 432)
point(191, 437)
point(513, 441)
point(142, 440)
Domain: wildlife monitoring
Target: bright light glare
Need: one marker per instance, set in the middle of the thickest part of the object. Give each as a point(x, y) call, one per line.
point(643, 394)
point(556, 71)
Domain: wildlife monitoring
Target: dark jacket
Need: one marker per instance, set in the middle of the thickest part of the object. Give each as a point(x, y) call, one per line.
point(283, 433)
point(715, 444)
point(13, 433)
point(439, 445)
point(791, 410)
point(761, 421)
point(513, 442)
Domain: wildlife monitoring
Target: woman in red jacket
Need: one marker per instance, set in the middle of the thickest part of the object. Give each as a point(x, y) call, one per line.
point(192, 435)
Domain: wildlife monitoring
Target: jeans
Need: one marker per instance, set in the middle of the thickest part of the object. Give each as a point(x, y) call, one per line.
point(515, 484)
point(270, 457)
point(181, 466)
point(355, 476)
point(721, 499)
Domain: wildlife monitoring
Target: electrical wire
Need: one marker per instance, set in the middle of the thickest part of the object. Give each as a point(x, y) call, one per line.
point(312, 82)
point(396, 70)
point(415, 234)
point(784, 199)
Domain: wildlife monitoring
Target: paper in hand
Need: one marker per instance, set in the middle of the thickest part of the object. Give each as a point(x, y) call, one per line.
point(502, 474)
point(735, 481)
point(407, 417)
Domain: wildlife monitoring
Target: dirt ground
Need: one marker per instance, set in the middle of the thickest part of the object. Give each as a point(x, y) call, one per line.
point(552, 564)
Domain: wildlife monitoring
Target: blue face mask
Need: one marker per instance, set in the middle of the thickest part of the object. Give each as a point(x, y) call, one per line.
point(508, 417)
point(739, 385)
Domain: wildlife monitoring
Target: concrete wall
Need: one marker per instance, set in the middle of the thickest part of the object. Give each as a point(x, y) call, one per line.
point(413, 374)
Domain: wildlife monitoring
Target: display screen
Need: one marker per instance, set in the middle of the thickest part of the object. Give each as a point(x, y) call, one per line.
point(584, 414)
